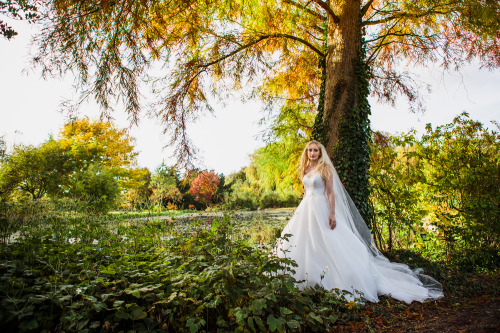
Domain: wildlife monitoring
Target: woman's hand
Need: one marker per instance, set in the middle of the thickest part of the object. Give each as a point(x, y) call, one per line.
point(332, 221)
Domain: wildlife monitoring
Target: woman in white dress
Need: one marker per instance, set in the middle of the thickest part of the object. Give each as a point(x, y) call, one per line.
point(333, 247)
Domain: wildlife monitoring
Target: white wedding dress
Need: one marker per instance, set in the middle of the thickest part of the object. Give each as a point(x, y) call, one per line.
point(339, 258)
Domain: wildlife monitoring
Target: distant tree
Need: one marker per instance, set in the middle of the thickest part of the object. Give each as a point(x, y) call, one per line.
point(17, 10)
point(88, 142)
point(204, 187)
point(222, 188)
point(276, 163)
point(96, 186)
point(164, 185)
point(35, 170)
point(139, 197)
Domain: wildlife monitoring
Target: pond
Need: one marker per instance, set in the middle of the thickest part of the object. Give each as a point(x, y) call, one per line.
point(259, 226)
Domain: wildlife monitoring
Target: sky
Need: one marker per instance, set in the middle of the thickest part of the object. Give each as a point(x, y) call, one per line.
point(29, 108)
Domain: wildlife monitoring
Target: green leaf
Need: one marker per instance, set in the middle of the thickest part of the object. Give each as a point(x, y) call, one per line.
point(258, 305)
point(193, 326)
point(138, 313)
point(260, 323)
point(117, 303)
point(251, 324)
point(285, 311)
point(274, 324)
point(315, 317)
point(94, 324)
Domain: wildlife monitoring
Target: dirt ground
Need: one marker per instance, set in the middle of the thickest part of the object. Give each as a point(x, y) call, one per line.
point(475, 313)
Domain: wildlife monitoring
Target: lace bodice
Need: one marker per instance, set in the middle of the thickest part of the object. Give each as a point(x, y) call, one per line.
point(315, 185)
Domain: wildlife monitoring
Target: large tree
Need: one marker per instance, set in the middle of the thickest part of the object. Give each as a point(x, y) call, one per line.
point(205, 48)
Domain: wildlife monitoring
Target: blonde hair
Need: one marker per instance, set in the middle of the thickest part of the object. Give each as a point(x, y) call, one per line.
point(323, 166)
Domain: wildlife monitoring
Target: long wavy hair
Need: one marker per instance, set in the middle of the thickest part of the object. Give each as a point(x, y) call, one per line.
point(323, 166)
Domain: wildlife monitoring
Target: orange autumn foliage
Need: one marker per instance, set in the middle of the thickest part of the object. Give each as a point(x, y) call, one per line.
point(204, 187)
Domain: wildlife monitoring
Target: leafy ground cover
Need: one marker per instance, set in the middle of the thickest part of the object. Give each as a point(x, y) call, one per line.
point(111, 274)
point(99, 275)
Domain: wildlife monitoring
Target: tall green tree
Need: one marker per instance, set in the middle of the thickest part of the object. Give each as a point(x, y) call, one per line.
point(164, 185)
point(96, 186)
point(217, 47)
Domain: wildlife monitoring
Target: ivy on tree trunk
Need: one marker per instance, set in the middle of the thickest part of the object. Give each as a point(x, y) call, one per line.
point(350, 149)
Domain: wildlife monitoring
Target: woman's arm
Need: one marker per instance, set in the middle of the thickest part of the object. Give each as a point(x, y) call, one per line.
point(331, 198)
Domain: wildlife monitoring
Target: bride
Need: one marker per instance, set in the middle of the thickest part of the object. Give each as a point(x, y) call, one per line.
point(333, 247)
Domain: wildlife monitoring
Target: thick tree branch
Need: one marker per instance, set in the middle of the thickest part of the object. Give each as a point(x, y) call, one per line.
point(261, 38)
point(328, 9)
point(304, 8)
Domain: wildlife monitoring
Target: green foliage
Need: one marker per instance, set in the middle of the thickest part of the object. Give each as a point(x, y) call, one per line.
point(35, 170)
point(398, 196)
point(247, 190)
point(462, 172)
point(440, 191)
point(96, 186)
point(276, 163)
point(86, 275)
point(164, 185)
point(140, 196)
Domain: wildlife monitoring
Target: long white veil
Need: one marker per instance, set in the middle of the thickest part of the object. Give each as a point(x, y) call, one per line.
point(346, 210)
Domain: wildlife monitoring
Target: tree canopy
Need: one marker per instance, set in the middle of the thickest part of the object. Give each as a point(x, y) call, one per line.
point(35, 170)
point(215, 48)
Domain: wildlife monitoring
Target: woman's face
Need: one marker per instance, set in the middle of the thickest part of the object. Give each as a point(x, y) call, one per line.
point(313, 152)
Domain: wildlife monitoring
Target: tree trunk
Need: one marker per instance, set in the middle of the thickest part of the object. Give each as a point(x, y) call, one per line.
point(343, 45)
point(342, 122)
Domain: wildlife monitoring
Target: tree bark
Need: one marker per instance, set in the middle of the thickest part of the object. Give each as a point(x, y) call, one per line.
point(343, 45)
